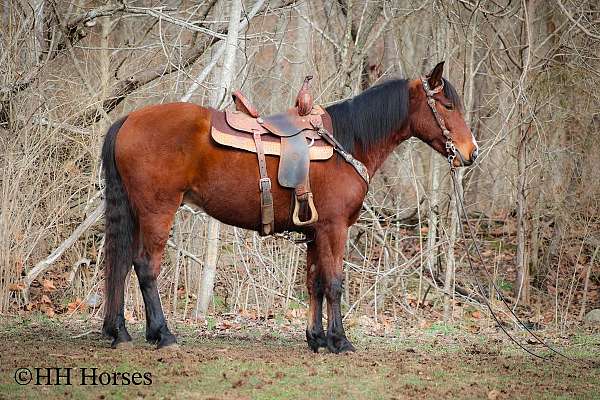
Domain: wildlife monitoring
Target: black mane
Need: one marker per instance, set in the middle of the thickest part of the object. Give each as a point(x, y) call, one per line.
point(376, 113)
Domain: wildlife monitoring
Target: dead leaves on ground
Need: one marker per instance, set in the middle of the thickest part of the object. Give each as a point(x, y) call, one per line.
point(46, 299)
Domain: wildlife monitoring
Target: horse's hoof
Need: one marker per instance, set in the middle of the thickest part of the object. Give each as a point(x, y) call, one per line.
point(316, 340)
point(123, 345)
point(339, 345)
point(168, 348)
point(168, 341)
point(347, 348)
point(122, 340)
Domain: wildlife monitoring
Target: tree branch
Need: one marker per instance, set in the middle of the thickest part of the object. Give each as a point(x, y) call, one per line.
point(124, 88)
point(577, 24)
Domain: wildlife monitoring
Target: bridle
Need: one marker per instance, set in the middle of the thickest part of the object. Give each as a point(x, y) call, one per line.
point(450, 147)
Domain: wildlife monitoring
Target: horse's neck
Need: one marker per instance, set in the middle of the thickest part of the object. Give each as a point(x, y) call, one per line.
point(376, 155)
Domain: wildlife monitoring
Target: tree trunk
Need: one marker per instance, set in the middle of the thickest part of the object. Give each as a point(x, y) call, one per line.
point(521, 288)
point(391, 65)
point(434, 213)
point(442, 34)
point(39, 28)
point(301, 51)
point(205, 290)
point(450, 257)
point(522, 283)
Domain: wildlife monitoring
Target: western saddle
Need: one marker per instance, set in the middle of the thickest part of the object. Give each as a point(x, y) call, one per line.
point(295, 136)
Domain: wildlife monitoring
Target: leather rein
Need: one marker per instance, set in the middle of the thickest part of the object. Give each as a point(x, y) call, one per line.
point(460, 208)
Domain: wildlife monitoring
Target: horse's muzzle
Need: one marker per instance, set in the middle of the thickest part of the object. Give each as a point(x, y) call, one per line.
point(460, 161)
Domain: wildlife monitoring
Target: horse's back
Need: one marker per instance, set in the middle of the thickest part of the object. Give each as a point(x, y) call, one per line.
point(158, 145)
point(162, 121)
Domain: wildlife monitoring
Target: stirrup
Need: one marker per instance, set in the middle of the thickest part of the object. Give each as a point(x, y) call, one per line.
point(314, 216)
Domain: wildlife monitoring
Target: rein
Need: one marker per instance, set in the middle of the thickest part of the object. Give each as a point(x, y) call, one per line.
point(460, 208)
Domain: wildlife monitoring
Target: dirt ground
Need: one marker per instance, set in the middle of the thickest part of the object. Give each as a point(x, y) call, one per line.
point(262, 363)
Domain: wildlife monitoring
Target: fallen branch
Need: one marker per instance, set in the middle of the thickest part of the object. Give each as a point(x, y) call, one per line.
point(462, 291)
point(55, 255)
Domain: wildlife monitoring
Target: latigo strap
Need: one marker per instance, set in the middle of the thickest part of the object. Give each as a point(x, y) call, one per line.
point(266, 197)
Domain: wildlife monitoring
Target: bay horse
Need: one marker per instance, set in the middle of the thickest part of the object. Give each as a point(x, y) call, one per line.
point(161, 156)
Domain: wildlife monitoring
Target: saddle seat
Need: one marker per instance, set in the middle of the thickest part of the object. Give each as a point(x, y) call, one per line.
point(292, 137)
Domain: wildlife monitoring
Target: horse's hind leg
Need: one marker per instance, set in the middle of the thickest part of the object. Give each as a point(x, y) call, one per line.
point(154, 233)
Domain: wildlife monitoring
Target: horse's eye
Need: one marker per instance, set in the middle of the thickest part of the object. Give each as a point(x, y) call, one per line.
point(449, 106)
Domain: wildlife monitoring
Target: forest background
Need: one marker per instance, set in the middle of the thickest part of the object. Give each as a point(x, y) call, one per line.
point(528, 72)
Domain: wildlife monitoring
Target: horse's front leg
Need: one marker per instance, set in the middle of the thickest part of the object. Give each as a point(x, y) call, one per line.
point(315, 335)
point(331, 242)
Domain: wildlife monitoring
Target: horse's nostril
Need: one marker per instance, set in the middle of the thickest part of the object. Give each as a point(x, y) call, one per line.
point(474, 154)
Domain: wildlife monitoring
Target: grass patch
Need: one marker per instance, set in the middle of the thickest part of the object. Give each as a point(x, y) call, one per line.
point(442, 362)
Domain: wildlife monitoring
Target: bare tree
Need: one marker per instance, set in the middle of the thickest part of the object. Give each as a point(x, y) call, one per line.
point(524, 70)
point(219, 100)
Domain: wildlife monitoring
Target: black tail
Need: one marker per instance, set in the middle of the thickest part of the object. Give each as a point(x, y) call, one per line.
point(119, 222)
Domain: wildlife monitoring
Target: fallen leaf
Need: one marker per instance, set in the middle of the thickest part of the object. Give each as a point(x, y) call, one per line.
point(50, 312)
point(239, 383)
point(45, 299)
point(423, 324)
point(77, 305)
point(48, 285)
point(129, 316)
point(476, 314)
point(16, 287)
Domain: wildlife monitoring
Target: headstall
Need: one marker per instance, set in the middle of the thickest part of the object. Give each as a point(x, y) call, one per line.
point(450, 148)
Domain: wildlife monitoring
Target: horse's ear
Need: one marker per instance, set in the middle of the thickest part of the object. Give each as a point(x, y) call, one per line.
point(435, 76)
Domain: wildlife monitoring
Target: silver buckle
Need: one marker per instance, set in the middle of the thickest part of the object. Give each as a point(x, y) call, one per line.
point(264, 184)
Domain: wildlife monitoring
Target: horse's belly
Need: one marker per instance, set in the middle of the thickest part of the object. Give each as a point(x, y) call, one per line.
point(228, 189)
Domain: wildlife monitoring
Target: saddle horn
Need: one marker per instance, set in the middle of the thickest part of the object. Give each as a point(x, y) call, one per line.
point(304, 100)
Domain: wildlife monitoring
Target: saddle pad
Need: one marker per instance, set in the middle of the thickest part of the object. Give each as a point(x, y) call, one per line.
point(222, 133)
point(320, 150)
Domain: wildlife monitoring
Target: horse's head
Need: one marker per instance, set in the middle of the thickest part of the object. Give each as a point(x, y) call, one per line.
point(437, 118)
